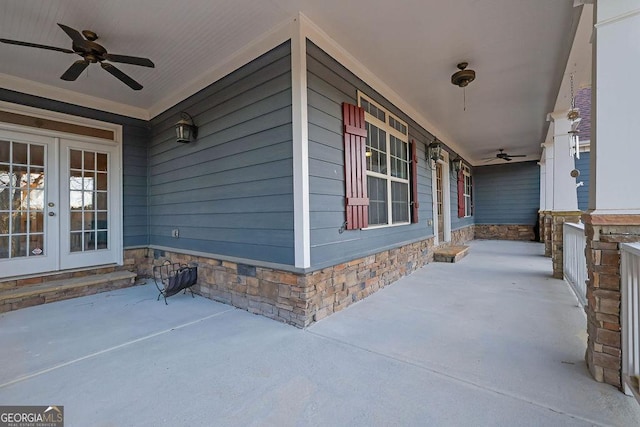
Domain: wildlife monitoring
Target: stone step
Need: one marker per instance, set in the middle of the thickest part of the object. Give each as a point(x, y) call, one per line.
point(453, 253)
point(57, 290)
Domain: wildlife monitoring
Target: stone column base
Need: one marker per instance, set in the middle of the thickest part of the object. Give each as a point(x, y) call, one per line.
point(604, 233)
point(547, 221)
point(558, 218)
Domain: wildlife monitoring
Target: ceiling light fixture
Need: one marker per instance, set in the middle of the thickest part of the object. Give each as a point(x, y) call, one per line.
point(462, 78)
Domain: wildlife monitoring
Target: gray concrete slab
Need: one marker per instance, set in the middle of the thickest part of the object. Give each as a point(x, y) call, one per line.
point(491, 340)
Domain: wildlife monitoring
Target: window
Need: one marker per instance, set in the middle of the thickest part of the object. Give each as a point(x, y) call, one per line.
point(466, 172)
point(387, 165)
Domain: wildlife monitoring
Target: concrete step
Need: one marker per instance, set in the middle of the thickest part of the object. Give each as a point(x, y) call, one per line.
point(57, 290)
point(453, 253)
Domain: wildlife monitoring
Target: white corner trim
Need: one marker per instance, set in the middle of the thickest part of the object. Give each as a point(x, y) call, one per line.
point(301, 227)
point(337, 52)
point(272, 38)
point(64, 95)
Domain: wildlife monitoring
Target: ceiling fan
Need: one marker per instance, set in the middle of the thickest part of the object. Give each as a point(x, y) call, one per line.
point(91, 52)
point(504, 156)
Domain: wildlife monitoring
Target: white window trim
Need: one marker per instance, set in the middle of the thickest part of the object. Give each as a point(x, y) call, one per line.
point(404, 137)
point(466, 172)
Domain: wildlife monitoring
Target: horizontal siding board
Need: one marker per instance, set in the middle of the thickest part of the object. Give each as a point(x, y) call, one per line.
point(222, 193)
point(257, 118)
point(230, 192)
point(244, 160)
point(250, 72)
point(507, 194)
point(584, 166)
point(202, 218)
point(279, 169)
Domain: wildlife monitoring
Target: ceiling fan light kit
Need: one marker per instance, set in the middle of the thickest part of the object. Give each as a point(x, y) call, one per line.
point(91, 52)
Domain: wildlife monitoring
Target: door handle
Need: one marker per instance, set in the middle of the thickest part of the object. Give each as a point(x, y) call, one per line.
point(52, 214)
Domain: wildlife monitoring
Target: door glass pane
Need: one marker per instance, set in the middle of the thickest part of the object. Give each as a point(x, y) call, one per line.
point(20, 151)
point(4, 247)
point(5, 151)
point(18, 246)
point(22, 199)
point(37, 155)
point(88, 199)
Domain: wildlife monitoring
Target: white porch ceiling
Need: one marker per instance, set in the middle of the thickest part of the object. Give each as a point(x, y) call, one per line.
point(519, 50)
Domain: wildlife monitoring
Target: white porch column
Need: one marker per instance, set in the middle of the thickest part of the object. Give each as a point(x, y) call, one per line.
point(614, 198)
point(565, 196)
point(615, 149)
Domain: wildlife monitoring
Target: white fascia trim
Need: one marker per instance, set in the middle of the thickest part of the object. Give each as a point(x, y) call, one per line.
point(64, 95)
point(301, 226)
point(337, 52)
point(272, 38)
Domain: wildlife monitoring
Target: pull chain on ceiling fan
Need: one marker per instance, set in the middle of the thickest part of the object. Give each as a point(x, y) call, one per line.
point(91, 52)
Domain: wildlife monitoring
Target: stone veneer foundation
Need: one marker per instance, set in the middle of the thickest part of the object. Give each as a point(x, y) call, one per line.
point(604, 234)
point(463, 235)
point(548, 222)
point(295, 298)
point(504, 232)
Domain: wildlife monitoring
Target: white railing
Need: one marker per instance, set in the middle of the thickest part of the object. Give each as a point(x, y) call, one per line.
point(574, 260)
point(630, 316)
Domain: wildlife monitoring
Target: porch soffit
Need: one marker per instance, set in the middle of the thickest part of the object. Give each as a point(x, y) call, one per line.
point(518, 49)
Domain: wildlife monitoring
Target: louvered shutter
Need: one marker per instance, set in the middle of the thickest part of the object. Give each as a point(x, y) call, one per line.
point(355, 169)
point(414, 182)
point(460, 194)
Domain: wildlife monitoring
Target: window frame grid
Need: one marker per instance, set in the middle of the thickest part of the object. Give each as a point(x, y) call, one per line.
point(404, 138)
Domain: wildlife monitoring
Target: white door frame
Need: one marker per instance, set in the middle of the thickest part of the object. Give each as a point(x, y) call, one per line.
point(115, 200)
point(446, 198)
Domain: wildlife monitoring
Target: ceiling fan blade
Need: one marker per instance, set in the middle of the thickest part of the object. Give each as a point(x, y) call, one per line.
point(517, 155)
point(110, 68)
point(134, 60)
point(508, 159)
point(39, 46)
point(74, 34)
point(75, 70)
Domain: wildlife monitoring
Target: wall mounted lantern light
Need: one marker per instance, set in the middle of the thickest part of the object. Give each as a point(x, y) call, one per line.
point(186, 130)
point(456, 164)
point(434, 152)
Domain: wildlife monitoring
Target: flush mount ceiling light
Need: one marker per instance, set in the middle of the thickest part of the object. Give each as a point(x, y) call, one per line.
point(462, 78)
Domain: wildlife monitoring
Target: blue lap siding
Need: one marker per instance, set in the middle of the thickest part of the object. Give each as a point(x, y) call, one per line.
point(230, 192)
point(507, 194)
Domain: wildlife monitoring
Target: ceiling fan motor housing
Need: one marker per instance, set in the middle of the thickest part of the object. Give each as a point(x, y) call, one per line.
point(463, 77)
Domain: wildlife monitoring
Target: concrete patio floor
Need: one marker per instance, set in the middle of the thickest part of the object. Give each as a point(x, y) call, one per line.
point(491, 340)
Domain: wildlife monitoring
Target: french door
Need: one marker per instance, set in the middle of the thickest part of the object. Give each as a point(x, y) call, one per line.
point(58, 200)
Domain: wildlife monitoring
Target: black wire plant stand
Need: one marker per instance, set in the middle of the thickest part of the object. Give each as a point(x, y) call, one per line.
point(172, 277)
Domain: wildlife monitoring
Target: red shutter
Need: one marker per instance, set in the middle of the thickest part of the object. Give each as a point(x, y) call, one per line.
point(355, 169)
point(414, 182)
point(460, 194)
